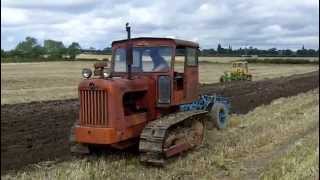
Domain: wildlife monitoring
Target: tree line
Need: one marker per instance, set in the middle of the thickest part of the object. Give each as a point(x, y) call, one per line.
point(30, 48)
point(51, 49)
point(250, 51)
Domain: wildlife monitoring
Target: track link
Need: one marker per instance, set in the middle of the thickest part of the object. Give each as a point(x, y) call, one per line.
point(154, 134)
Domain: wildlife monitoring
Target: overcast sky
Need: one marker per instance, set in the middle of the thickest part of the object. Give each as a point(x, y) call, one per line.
point(259, 23)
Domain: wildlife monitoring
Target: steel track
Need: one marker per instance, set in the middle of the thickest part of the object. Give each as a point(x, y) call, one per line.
point(153, 136)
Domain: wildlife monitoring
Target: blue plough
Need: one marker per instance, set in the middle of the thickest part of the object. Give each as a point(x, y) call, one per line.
point(205, 102)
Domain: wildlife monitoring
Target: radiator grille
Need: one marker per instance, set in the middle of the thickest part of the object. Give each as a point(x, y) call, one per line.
point(93, 107)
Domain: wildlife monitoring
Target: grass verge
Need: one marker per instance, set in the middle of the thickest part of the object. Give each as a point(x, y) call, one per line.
point(300, 162)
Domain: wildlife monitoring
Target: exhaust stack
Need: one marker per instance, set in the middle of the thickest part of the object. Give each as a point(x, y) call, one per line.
point(128, 29)
point(129, 51)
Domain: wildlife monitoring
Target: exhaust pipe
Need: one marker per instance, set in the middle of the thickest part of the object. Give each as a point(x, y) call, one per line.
point(129, 51)
point(128, 29)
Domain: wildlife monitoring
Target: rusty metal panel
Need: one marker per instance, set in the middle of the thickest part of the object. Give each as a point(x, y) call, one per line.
point(81, 109)
point(86, 107)
point(164, 90)
point(93, 107)
point(103, 101)
point(94, 120)
point(176, 149)
point(98, 98)
point(191, 81)
point(106, 109)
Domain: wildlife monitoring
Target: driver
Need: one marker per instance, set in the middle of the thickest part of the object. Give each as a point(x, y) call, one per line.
point(159, 63)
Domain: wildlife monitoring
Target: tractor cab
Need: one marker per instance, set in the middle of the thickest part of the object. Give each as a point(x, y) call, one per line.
point(171, 64)
point(176, 76)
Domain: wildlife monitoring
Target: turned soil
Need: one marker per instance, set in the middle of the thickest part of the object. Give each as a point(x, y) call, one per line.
point(38, 131)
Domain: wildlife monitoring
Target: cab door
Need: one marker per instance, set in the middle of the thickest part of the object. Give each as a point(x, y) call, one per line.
point(191, 75)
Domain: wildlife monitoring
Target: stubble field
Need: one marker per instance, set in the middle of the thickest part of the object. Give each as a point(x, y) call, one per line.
point(276, 141)
point(25, 82)
point(264, 141)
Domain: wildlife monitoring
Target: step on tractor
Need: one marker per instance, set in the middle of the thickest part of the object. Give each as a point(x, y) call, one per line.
point(239, 72)
point(145, 98)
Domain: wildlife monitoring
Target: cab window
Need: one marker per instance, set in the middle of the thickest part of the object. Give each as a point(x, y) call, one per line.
point(120, 60)
point(191, 56)
point(152, 59)
point(144, 59)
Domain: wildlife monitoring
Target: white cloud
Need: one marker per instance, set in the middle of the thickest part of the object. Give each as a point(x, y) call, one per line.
point(46, 3)
point(274, 29)
point(212, 11)
point(10, 38)
point(260, 23)
point(13, 16)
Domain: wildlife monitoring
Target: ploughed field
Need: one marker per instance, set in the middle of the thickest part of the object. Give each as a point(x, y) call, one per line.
point(26, 82)
point(38, 131)
point(275, 141)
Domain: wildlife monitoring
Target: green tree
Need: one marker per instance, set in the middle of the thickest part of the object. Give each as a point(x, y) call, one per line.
point(272, 51)
point(74, 49)
point(219, 49)
point(54, 49)
point(29, 48)
point(287, 52)
point(107, 50)
point(3, 53)
point(302, 51)
point(229, 50)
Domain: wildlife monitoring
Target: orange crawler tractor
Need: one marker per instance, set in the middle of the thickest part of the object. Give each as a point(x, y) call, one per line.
point(143, 99)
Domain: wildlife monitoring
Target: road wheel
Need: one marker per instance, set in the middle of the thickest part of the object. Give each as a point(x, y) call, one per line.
point(219, 115)
point(192, 134)
point(198, 133)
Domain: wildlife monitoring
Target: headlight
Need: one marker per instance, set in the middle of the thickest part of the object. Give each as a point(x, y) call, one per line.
point(86, 73)
point(106, 72)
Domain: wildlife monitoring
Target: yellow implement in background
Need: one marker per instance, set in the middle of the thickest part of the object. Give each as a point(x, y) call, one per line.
point(239, 72)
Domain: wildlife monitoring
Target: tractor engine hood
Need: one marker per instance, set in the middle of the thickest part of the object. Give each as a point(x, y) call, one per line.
point(116, 85)
point(99, 97)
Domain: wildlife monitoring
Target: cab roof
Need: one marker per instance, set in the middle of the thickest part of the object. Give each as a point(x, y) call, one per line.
point(178, 42)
